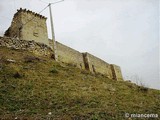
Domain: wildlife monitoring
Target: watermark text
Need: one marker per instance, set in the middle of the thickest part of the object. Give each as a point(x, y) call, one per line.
point(138, 115)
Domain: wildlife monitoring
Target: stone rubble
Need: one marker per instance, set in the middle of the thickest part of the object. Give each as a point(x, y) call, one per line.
point(32, 46)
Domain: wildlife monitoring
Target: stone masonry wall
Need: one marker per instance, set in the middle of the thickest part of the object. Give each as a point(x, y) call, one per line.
point(96, 65)
point(39, 49)
point(28, 31)
point(69, 55)
point(116, 72)
point(14, 31)
point(66, 55)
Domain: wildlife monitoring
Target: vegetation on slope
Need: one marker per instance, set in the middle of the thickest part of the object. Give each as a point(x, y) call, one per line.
point(34, 87)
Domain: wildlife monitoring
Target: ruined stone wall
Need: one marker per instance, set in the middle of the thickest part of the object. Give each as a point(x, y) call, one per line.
point(14, 30)
point(39, 49)
point(30, 26)
point(27, 25)
point(116, 72)
point(96, 65)
point(66, 55)
point(69, 55)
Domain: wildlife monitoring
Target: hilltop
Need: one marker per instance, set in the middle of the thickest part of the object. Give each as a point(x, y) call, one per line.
point(34, 87)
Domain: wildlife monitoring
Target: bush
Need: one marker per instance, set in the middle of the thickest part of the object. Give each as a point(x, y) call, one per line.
point(17, 75)
point(28, 59)
point(54, 70)
point(3, 60)
point(143, 89)
point(71, 64)
point(85, 72)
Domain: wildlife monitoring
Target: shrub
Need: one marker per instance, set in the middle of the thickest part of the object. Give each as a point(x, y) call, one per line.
point(54, 70)
point(28, 59)
point(143, 89)
point(3, 59)
point(85, 72)
point(71, 64)
point(17, 75)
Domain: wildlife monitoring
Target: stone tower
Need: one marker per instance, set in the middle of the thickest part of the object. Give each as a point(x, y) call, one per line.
point(28, 25)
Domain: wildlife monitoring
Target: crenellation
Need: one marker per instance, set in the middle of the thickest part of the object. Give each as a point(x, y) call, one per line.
point(29, 12)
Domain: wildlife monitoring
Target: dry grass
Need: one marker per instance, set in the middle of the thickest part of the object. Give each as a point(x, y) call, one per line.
point(44, 89)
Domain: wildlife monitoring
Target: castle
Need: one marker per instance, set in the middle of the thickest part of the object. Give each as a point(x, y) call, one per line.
point(28, 31)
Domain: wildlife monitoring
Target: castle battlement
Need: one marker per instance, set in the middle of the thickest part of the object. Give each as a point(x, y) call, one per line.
point(29, 12)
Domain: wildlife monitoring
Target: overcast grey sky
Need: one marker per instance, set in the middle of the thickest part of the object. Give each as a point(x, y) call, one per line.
point(123, 32)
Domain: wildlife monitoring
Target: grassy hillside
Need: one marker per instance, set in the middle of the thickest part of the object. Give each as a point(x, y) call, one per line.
point(33, 87)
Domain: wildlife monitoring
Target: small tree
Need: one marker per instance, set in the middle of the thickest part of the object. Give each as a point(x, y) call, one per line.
point(141, 85)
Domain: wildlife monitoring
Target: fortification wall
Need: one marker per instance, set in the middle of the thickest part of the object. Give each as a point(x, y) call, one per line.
point(69, 55)
point(116, 72)
point(96, 65)
point(27, 25)
point(39, 49)
point(66, 55)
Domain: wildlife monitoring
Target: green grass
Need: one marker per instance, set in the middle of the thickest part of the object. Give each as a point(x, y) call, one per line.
point(35, 87)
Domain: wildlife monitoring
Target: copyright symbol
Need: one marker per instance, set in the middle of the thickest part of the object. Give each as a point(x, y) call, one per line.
point(127, 115)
